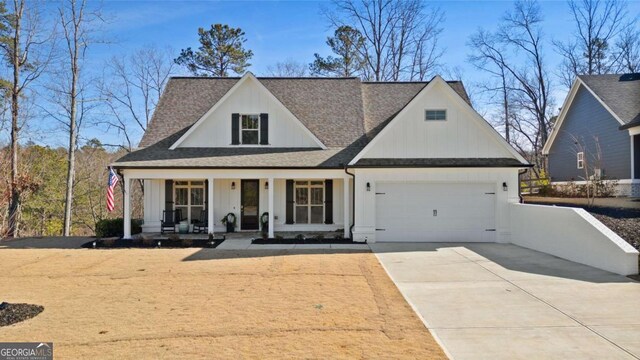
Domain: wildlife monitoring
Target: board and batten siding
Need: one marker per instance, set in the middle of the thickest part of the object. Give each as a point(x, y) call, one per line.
point(227, 200)
point(585, 119)
point(460, 136)
point(153, 204)
point(249, 98)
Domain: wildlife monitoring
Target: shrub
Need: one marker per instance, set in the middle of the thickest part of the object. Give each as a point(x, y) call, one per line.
point(187, 242)
point(299, 237)
point(173, 237)
point(148, 241)
point(108, 242)
point(115, 227)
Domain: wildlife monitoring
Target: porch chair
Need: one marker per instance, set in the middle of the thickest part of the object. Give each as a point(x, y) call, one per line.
point(170, 218)
point(202, 223)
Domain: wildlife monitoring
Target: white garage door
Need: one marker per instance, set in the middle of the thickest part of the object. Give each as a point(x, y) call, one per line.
point(434, 212)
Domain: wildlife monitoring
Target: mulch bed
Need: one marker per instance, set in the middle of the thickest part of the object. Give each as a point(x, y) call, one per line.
point(155, 243)
point(15, 313)
point(623, 221)
point(274, 241)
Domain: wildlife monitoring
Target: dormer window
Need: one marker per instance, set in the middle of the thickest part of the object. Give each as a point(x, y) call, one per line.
point(250, 129)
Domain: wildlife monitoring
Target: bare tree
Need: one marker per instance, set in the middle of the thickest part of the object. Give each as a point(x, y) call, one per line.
point(488, 56)
point(287, 68)
point(400, 36)
point(77, 27)
point(591, 164)
point(27, 49)
point(515, 53)
point(597, 23)
point(627, 51)
point(131, 88)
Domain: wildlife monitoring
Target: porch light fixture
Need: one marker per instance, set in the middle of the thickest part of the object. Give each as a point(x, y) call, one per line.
point(504, 186)
point(233, 185)
point(368, 186)
point(266, 185)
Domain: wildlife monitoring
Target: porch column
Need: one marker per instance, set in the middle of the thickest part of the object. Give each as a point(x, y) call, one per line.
point(272, 185)
point(347, 220)
point(210, 206)
point(127, 207)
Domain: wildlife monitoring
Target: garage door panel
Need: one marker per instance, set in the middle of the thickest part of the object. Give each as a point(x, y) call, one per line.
point(405, 212)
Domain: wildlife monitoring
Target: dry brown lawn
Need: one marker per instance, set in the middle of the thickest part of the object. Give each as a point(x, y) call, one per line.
point(179, 303)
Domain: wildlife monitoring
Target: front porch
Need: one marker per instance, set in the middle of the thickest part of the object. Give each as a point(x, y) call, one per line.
point(293, 201)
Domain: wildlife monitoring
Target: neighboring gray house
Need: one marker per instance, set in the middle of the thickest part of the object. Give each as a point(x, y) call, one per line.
point(597, 133)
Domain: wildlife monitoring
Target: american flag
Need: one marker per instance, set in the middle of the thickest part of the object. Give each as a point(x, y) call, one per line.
point(113, 180)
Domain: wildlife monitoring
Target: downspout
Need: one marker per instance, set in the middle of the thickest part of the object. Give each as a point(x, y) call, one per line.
point(353, 201)
point(520, 173)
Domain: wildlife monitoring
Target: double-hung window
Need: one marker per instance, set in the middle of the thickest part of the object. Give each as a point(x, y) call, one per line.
point(580, 160)
point(189, 199)
point(309, 202)
point(250, 129)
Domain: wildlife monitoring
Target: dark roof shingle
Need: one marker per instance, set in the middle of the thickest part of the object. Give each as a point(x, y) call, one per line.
point(621, 93)
point(344, 113)
point(440, 162)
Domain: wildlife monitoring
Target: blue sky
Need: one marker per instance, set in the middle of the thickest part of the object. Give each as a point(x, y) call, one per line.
point(280, 30)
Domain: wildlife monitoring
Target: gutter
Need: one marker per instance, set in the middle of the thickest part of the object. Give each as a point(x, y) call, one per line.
point(353, 201)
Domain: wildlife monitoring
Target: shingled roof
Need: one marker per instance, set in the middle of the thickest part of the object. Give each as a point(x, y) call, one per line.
point(621, 93)
point(343, 113)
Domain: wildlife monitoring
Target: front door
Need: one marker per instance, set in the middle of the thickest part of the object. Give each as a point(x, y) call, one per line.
point(250, 197)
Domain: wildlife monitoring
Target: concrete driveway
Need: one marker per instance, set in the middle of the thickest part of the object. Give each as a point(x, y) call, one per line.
point(501, 301)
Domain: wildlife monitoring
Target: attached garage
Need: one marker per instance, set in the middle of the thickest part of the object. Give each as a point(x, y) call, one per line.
point(435, 212)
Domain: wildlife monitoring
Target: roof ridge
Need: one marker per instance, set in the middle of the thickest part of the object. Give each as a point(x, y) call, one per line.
point(265, 77)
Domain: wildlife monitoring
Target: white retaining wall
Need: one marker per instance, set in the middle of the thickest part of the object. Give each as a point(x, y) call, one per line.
point(572, 234)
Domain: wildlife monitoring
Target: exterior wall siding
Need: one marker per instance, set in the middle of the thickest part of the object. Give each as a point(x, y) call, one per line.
point(587, 119)
point(460, 136)
point(249, 98)
point(227, 200)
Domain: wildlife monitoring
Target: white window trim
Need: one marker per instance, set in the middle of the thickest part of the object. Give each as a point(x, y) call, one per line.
point(428, 120)
point(189, 186)
point(241, 130)
point(309, 205)
point(580, 160)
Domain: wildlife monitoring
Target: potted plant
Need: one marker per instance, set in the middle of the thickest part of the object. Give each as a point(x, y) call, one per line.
point(264, 222)
point(230, 221)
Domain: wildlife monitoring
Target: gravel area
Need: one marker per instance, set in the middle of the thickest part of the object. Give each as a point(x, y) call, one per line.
point(15, 313)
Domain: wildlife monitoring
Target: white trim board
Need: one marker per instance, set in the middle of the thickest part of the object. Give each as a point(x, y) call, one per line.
point(233, 89)
point(477, 117)
point(565, 109)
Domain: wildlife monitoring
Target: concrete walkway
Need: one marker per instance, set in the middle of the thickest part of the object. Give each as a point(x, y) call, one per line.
point(501, 301)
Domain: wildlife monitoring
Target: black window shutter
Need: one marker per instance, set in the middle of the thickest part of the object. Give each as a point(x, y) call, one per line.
point(289, 207)
point(328, 201)
point(235, 129)
point(264, 129)
point(168, 194)
point(206, 195)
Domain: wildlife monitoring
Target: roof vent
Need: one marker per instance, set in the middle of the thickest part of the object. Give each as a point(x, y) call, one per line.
point(630, 77)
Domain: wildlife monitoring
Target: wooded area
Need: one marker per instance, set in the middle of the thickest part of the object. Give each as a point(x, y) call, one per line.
point(52, 190)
